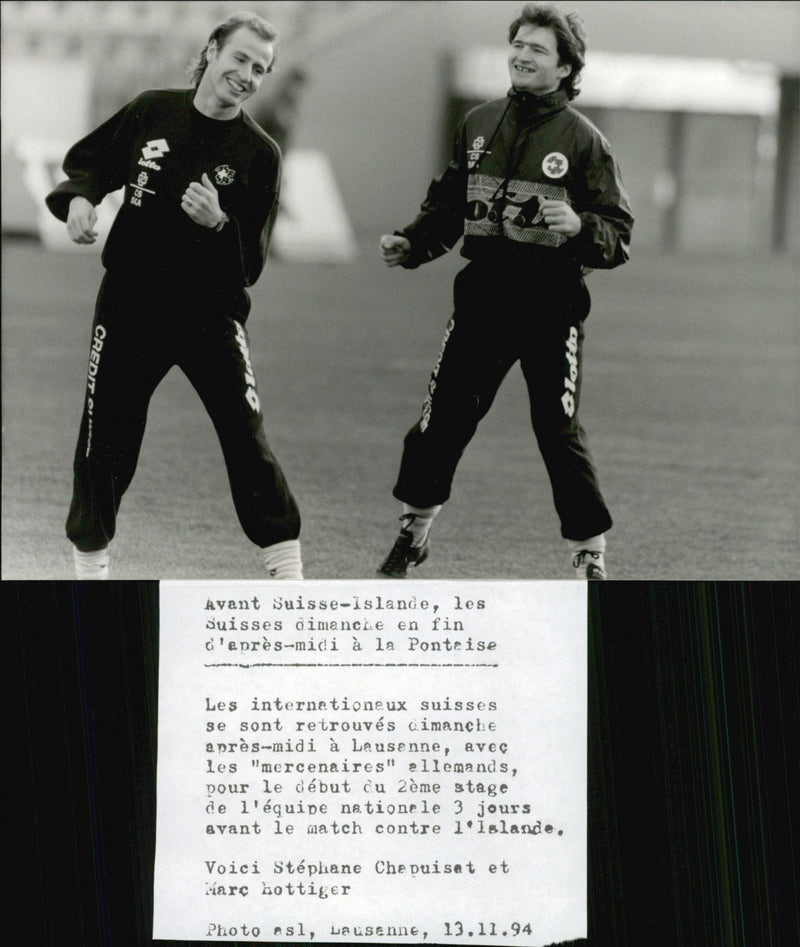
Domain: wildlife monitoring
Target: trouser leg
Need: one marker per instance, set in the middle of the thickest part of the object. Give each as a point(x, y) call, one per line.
point(552, 366)
point(472, 364)
point(217, 363)
point(122, 375)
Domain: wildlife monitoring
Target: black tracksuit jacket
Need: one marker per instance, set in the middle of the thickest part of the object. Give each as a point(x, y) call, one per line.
point(507, 154)
point(154, 147)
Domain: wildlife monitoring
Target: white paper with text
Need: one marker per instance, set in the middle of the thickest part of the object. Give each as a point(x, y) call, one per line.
point(372, 762)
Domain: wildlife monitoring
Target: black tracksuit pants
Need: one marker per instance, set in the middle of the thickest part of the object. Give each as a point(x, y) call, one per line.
point(140, 330)
point(505, 314)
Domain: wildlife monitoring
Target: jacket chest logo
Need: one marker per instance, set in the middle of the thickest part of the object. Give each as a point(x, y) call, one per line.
point(474, 154)
point(153, 149)
point(224, 174)
point(555, 165)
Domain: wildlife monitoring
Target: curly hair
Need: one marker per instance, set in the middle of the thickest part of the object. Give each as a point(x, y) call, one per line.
point(570, 38)
point(220, 35)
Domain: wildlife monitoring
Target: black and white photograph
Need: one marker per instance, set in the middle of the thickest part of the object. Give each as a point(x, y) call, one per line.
point(467, 334)
point(399, 470)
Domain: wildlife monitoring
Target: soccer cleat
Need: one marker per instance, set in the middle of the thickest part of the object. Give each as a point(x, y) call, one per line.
point(403, 554)
point(588, 565)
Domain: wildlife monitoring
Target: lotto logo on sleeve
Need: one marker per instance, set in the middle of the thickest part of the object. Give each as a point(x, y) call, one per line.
point(571, 379)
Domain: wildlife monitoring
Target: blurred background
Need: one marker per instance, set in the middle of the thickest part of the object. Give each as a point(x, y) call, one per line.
point(700, 99)
point(690, 386)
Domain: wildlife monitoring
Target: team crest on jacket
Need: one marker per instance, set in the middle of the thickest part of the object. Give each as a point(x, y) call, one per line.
point(224, 174)
point(555, 165)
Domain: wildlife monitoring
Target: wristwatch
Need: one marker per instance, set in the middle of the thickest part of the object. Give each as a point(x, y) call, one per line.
point(222, 221)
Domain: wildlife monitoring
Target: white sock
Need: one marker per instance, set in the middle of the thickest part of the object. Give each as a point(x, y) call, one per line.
point(91, 565)
point(593, 544)
point(282, 560)
point(419, 527)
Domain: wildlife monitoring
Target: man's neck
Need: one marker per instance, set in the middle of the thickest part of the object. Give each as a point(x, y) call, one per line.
point(207, 103)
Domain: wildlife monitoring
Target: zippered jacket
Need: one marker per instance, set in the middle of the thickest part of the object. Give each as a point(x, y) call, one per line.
point(507, 155)
point(154, 147)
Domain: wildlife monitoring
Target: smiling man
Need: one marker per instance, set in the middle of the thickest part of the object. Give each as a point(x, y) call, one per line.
point(201, 184)
point(535, 191)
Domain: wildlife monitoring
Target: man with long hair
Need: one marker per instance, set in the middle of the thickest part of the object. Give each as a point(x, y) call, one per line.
point(535, 191)
point(201, 186)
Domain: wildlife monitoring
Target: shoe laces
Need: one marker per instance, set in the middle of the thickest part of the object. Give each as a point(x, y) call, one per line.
point(580, 557)
point(398, 555)
point(416, 539)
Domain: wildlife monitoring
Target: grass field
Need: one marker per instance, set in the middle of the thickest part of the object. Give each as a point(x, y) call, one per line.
point(690, 400)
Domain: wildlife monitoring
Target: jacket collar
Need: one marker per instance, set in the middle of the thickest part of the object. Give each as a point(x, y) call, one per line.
point(529, 106)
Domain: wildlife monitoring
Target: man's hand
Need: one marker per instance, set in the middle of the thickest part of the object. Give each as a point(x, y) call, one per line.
point(201, 203)
point(81, 220)
point(560, 217)
point(394, 249)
